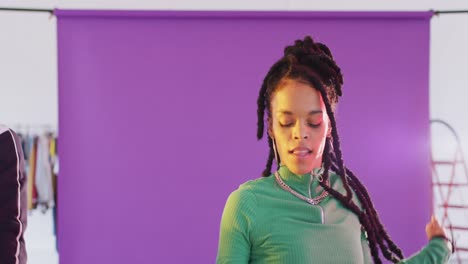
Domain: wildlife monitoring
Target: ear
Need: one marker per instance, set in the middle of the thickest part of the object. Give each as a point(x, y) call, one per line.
point(270, 133)
point(270, 129)
point(329, 130)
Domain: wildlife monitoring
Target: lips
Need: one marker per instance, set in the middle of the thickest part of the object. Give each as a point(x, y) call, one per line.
point(300, 151)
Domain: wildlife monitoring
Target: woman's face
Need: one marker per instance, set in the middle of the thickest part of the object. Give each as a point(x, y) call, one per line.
point(299, 124)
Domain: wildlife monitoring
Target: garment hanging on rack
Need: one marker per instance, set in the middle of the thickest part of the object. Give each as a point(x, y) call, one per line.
point(31, 172)
point(42, 158)
point(55, 169)
point(43, 181)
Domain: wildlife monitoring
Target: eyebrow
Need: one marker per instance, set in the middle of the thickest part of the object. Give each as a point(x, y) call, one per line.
point(313, 112)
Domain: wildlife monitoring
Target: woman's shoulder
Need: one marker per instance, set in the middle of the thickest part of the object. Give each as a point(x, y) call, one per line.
point(244, 198)
point(257, 184)
point(249, 189)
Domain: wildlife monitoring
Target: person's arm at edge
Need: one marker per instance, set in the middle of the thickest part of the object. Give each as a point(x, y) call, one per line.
point(13, 212)
point(437, 251)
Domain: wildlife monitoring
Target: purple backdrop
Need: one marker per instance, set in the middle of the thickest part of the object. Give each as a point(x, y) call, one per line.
point(158, 123)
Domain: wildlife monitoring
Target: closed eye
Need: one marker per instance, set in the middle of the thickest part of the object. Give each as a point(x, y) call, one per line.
point(315, 125)
point(286, 125)
point(309, 124)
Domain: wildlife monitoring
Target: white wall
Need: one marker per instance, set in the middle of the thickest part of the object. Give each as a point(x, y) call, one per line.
point(449, 71)
point(28, 69)
point(28, 63)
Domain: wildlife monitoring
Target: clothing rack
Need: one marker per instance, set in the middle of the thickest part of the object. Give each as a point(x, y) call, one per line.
point(41, 166)
point(34, 128)
point(445, 12)
point(51, 11)
point(39, 144)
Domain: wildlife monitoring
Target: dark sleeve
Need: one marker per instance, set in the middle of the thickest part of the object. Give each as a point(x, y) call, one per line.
point(13, 202)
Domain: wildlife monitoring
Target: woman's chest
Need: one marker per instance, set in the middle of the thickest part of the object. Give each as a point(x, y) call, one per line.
point(297, 232)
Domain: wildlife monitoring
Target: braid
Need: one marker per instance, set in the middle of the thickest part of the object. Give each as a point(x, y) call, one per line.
point(271, 156)
point(366, 201)
point(349, 203)
point(261, 111)
point(369, 217)
point(263, 104)
point(336, 144)
point(375, 231)
point(370, 208)
point(375, 222)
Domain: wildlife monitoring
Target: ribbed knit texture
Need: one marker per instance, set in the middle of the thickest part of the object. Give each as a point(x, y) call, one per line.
point(262, 223)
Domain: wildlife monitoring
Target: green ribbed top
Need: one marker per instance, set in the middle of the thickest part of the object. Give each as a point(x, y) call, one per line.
point(262, 223)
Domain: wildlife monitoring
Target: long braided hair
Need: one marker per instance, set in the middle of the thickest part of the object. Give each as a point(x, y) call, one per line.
point(313, 63)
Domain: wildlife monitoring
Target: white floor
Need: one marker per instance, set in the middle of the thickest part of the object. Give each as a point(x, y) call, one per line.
point(40, 238)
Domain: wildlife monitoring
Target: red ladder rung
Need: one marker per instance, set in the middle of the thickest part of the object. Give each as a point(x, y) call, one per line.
point(457, 184)
point(446, 162)
point(454, 206)
point(457, 228)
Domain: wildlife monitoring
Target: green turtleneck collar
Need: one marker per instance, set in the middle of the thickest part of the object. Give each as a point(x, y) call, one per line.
point(301, 183)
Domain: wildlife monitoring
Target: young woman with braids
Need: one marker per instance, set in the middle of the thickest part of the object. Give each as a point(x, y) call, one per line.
point(312, 209)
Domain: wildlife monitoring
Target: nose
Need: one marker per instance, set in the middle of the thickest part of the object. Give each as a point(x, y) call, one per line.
point(300, 131)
